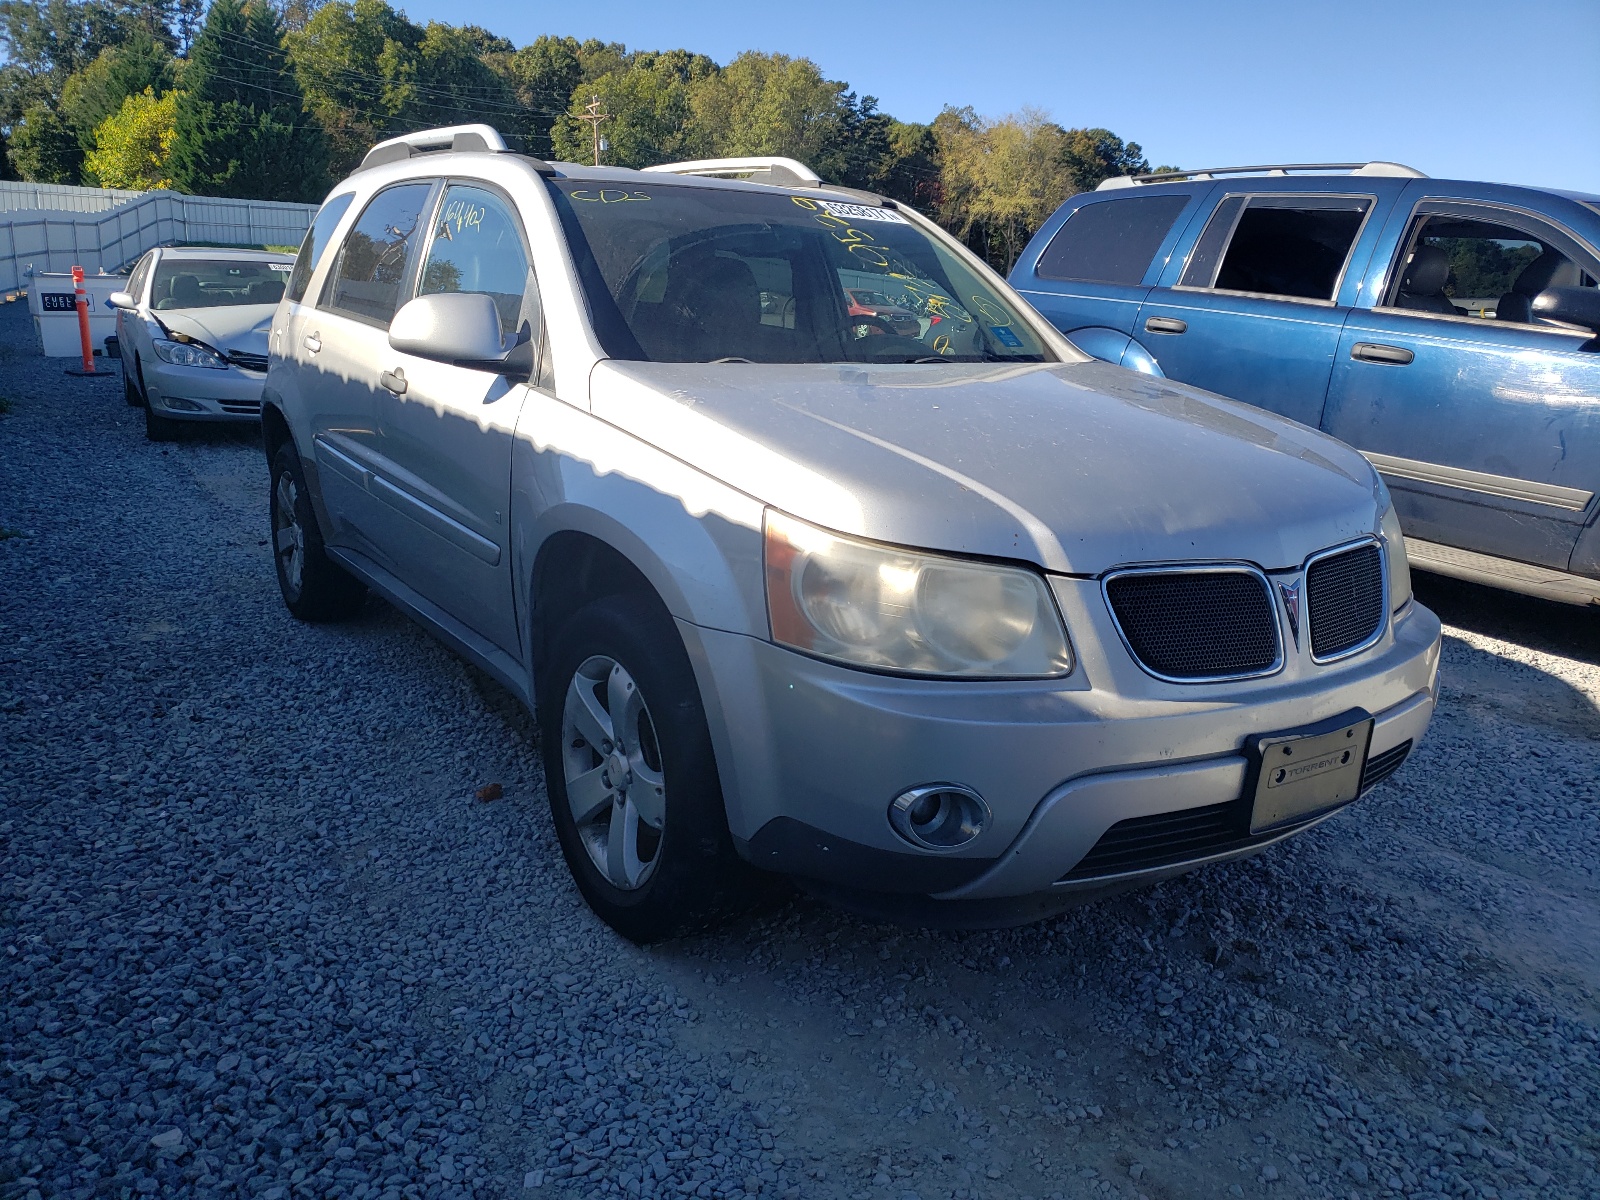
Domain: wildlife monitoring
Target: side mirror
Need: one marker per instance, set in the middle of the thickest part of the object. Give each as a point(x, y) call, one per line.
point(122, 300)
point(460, 328)
point(1575, 306)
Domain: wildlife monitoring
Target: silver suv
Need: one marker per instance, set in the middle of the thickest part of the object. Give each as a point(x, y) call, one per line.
point(946, 620)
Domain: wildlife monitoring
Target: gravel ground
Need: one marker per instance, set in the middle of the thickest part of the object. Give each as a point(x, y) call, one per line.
point(261, 939)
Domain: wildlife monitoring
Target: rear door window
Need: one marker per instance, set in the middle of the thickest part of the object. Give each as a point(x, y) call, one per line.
point(1290, 246)
point(1111, 241)
point(366, 281)
point(316, 241)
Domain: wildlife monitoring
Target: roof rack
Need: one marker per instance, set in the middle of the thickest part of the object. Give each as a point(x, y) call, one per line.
point(462, 139)
point(1391, 169)
point(785, 172)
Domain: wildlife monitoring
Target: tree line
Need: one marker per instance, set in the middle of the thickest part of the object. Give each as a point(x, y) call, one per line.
point(277, 101)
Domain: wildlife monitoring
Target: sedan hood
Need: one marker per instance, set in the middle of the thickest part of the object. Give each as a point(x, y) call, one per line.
point(241, 328)
point(1077, 467)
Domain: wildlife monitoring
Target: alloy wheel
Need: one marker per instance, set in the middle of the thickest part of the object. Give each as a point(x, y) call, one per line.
point(288, 539)
point(612, 768)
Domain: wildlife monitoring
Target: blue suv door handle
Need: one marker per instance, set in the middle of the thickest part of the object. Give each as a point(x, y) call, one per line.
point(1165, 325)
point(1374, 352)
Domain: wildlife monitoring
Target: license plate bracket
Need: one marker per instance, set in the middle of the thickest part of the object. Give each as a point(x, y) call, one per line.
point(1299, 773)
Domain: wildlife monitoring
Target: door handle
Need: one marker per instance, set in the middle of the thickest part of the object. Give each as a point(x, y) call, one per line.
point(312, 342)
point(394, 380)
point(1374, 352)
point(1165, 325)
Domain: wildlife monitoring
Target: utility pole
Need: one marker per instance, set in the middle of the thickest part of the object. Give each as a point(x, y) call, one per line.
point(594, 116)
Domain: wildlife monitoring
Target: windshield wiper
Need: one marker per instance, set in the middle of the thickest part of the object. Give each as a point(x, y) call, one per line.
point(732, 358)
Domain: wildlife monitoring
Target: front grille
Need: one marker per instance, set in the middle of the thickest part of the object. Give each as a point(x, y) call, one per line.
point(1196, 625)
point(1380, 766)
point(250, 362)
point(241, 408)
point(1164, 839)
point(1344, 600)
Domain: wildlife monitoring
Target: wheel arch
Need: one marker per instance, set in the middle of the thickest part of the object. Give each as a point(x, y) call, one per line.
point(274, 429)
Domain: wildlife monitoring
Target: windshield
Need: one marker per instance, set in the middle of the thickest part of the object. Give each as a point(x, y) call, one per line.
point(677, 273)
point(215, 282)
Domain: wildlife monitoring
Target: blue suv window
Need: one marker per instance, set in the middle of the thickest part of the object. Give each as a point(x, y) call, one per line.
point(1292, 246)
point(1111, 241)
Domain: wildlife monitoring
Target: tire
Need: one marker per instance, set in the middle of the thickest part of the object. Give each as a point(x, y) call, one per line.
point(681, 872)
point(130, 387)
point(160, 429)
point(314, 587)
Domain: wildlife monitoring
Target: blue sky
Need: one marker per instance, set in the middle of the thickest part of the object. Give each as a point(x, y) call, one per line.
point(1501, 91)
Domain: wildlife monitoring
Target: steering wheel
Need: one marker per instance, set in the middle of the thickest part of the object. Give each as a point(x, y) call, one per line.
point(896, 344)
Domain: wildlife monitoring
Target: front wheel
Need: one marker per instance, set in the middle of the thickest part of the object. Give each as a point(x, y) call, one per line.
point(131, 392)
point(314, 587)
point(631, 775)
point(158, 428)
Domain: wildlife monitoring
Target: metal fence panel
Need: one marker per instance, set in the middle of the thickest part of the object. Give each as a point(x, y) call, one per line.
point(54, 236)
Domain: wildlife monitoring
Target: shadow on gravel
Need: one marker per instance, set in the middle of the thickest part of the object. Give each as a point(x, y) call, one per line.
point(1564, 629)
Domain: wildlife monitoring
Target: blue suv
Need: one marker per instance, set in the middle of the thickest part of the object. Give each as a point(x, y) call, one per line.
point(1448, 330)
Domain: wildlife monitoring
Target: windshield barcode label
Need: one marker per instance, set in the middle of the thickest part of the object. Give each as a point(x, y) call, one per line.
point(863, 212)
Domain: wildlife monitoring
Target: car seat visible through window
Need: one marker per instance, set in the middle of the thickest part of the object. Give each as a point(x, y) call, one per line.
point(1422, 286)
point(1550, 269)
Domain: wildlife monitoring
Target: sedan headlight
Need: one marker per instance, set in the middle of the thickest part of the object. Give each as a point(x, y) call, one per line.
point(900, 610)
point(1395, 543)
point(187, 354)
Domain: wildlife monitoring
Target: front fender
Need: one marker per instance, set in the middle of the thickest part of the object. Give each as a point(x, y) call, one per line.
point(697, 541)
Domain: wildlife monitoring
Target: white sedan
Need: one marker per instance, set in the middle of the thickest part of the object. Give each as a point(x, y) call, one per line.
point(192, 328)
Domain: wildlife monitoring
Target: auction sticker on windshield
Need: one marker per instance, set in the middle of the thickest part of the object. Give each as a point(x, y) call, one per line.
point(862, 212)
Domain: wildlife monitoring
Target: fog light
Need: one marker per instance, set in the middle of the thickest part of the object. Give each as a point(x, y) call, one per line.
point(938, 816)
point(178, 404)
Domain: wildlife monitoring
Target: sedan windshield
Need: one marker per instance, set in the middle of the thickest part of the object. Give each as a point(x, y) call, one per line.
point(214, 282)
point(678, 273)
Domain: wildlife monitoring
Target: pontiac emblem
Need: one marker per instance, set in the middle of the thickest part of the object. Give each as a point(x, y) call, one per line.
point(1291, 605)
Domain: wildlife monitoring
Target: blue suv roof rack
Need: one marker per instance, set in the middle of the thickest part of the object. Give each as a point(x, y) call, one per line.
point(1395, 170)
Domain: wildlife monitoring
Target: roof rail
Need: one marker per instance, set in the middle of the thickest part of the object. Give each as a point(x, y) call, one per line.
point(784, 172)
point(1392, 169)
point(462, 139)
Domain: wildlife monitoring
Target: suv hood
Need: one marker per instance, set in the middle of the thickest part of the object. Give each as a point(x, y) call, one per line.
point(1077, 467)
point(239, 327)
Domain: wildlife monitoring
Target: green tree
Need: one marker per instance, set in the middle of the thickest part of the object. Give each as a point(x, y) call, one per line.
point(96, 92)
point(1092, 156)
point(242, 128)
point(134, 144)
point(354, 61)
point(7, 171)
point(767, 104)
point(542, 77)
point(910, 170)
point(44, 148)
point(857, 147)
point(647, 104)
point(1000, 179)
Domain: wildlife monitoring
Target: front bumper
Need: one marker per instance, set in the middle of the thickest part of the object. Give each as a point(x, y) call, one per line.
point(811, 753)
point(202, 393)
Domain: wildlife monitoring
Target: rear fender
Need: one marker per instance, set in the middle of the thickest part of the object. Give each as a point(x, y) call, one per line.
point(1115, 347)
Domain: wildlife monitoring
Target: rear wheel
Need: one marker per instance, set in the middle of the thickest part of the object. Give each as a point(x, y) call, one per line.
point(631, 775)
point(314, 587)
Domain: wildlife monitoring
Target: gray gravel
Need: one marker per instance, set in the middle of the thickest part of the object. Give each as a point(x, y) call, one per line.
point(261, 939)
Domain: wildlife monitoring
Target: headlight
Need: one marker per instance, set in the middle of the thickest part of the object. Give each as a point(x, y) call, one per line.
point(1395, 542)
point(899, 610)
point(187, 354)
